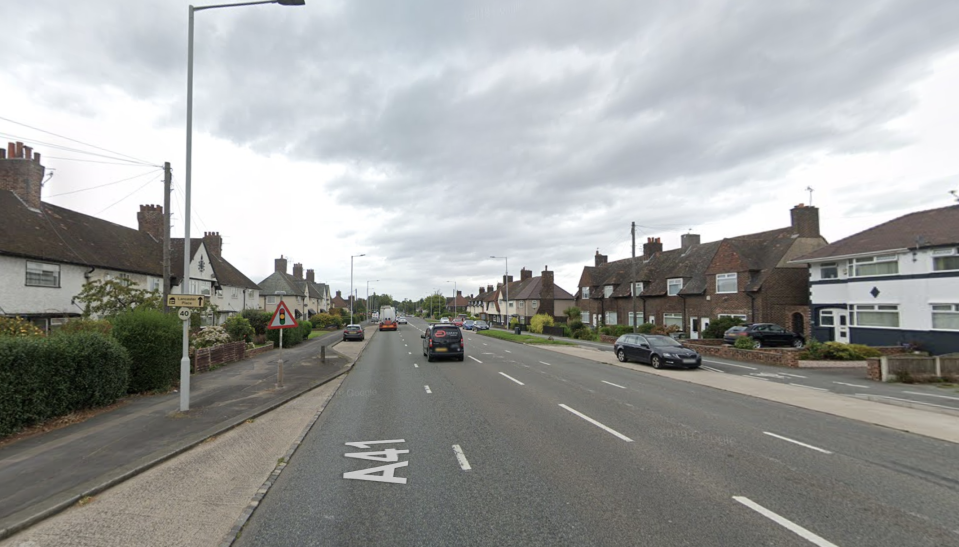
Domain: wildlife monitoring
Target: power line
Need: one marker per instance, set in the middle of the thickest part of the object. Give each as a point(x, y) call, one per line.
point(76, 150)
point(73, 140)
point(103, 185)
point(128, 195)
point(124, 163)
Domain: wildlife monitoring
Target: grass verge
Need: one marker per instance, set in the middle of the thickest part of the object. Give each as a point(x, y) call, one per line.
point(522, 338)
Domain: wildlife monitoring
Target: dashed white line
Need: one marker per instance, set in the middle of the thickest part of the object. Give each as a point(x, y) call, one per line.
point(931, 395)
point(785, 523)
point(808, 387)
point(793, 375)
point(415, 365)
point(614, 385)
point(851, 385)
point(428, 389)
point(513, 379)
point(411, 353)
point(713, 369)
point(597, 424)
point(794, 441)
point(507, 351)
point(461, 458)
point(475, 359)
point(732, 365)
point(545, 363)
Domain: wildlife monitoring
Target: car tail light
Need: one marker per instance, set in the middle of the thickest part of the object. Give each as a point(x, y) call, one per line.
point(431, 342)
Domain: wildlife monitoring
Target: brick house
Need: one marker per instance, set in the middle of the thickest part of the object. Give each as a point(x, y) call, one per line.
point(749, 277)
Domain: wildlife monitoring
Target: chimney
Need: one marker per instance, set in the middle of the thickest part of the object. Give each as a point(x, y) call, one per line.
point(459, 294)
point(339, 295)
point(310, 276)
point(22, 174)
point(600, 259)
point(525, 274)
point(805, 221)
point(507, 279)
point(279, 265)
point(547, 294)
point(489, 288)
point(482, 290)
point(213, 242)
point(652, 246)
point(150, 220)
point(688, 240)
point(298, 270)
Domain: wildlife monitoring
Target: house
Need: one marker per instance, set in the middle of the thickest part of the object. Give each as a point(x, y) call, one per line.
point(749, 277)
point(47, 252)
point(458, 304)
point(896, 283)
point(527, 297)
point(339, 302)
point(299, 295)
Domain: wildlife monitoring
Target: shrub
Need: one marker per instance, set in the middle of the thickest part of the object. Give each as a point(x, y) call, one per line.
point(85, 325)
point(838, 351)
point(645, 328)
point(585, 333)
point(575, 325)
point(18, 326)
point(209, 337)
point(718, 328)
point(306, 328)
point(321, 320)
point(154, 342)
point(258, 320)
point(291, 337)
point(540, 320)
point(239, 328)
point(745, 342)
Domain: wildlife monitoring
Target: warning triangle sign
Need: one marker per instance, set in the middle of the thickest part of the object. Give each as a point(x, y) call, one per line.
point(282, 318)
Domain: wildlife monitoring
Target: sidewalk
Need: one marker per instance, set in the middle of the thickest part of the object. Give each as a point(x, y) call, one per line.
point(47, 473)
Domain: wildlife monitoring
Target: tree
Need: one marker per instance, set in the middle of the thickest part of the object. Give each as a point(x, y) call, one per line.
point(107, 298)
point(573, 314)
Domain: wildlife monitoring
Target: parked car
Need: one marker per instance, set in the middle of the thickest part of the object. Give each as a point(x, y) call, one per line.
point(656, 350)
point(764, 335)
point(441, 340)
point(468, 324)
point(353, 332)
point(444, 319)
point(458, 322)
point(481, 325)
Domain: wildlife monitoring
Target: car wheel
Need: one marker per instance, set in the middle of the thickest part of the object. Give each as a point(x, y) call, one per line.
point(757, 344)
point(798, 343)
point(656, 361)
point(429, 357)
point(462, 358)
point(621, 355)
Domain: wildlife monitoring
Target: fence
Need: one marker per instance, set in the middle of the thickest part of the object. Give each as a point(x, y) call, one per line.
point(914, 368)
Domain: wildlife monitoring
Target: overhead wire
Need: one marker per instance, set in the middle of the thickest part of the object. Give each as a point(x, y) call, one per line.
point(120, 160)
point(74, 140)
point(128, 195)
point(150, 172)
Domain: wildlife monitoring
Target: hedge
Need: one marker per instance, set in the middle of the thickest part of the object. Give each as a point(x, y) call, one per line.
point(154, 341)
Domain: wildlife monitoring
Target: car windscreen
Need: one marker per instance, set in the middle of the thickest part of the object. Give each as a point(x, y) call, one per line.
point(663, 341)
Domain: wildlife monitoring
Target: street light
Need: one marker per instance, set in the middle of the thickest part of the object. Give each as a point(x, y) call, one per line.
point(454, 297)
point(369, 311)
point(188, 172)
point(506, 282)
point(351, 286)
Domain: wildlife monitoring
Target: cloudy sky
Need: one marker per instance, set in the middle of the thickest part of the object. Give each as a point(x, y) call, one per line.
point(430, 134)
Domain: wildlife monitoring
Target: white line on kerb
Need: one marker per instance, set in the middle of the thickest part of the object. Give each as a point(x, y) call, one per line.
point(784, 522)
point(808, 387)
point(851, 385)
point(931, 395)
point(460, 457)
point(513, 379)
point(916, 402)
point(597, 424)
point(714, 369)
point(475, 359)
point(428, 389)
point(797, 442)
point(545, 363)
point(614, 385)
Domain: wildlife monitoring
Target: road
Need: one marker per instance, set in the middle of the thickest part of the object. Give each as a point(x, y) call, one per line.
point(522, 446)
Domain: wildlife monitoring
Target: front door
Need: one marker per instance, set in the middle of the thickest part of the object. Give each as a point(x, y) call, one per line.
point(694, 328)
point(704, 324)
point(838, 320)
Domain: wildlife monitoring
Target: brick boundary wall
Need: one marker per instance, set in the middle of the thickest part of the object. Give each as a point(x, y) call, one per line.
point(784, 357)
point(874, 369)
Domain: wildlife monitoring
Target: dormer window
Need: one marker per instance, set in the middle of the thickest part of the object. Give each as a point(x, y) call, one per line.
point(637, 288)
point(607, 291)
point(673, 286)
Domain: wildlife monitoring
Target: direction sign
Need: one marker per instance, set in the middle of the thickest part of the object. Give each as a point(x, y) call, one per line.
point(184, 314)
point(185, 300)
point(282, 318)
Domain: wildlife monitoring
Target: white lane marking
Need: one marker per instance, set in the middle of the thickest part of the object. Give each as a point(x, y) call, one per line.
point(475, 359)
point(428, 389)
point(713, 369)
point(732, 365)
point(513, 379)
point(851, 385)
point(597, 424)
point(787, 439)
point(785, 523)
point(366, 444)
point(507, 351)
point(484, 343)
point(411, 353)
point(757, 378)
point(808, 387)
point(911, 401)
point(614, 385)
point(793, 375)
point(545, 363)
point(461, 457)
point(415, 365)
point(931, 395)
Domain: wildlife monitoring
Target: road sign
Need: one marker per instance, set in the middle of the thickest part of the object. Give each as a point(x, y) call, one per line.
point(185, 300)
point(184, 314)
point(282, 318)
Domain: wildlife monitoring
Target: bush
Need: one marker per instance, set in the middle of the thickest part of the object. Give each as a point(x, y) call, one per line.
point(239, 328)
point(306, 328)
point(154, 342)
point(42, 378)
point(567, 332)
point(745, 342)
point(540, 320)
point(258, 319)
point(291, 337)
point(838, 351)
point(575, 325)
point(85, 325)
point(322, 321)
point(585, 333)
point(18, 326)
point(645, 328)
point(718, 328)
point(209, 337)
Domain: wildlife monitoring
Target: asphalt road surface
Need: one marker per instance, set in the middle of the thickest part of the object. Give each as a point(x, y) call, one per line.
point(522, 446)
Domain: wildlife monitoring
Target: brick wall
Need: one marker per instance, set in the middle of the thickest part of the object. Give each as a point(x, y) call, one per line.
point(21, 173)
point(785, 357)
point(874, 369)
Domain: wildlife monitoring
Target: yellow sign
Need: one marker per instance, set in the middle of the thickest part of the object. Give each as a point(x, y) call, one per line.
point(185, 300)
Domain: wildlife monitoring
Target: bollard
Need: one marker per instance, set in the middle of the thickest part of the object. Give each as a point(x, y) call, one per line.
point(279, 374)
point(323, 354)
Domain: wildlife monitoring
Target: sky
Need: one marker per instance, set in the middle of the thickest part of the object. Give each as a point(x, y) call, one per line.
point(430, 135)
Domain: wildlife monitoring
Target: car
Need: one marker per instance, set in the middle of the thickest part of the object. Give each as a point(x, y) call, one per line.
point(458, 322)
point(481, 325)
point(468, 324)
point(764, 335)
point(444, 340)
point(353, 332)
point(444, 319)
point(657, 350)
point(401, 320)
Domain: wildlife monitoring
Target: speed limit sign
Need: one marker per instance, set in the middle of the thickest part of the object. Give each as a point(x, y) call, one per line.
point(184, 314)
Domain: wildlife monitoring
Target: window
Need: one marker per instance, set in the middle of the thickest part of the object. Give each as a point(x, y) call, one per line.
point(726, 283)
point(875, 315)
point(535, 304)
point(673, 286)
point(944, 260)
point(673, 319)
point(827, 318)
point(639, 319)
point(607, 291)
point(154, 284)
point(585, 318)
point(637, 288)
point(236, 292)
point(736, 315)
point(945, 316)
point(271, 300)
point(43, 275)
point(585, 292)
point(875, 265)
point(829, 270)
point(610, 318)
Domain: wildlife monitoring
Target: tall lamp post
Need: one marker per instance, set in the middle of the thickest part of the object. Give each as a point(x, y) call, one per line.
point(369, 310)
point(506, 282)
point(454, 298)
point(188, 172)
point(351, 285)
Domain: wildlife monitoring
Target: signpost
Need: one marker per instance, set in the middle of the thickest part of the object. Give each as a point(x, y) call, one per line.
point(184, 314)
point(185, 300)
point(282, 319)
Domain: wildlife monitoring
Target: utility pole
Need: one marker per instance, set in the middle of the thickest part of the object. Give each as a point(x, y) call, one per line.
point(632, 280)
point(167, 188)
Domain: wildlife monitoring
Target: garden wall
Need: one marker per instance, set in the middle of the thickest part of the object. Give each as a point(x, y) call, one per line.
point(205, 359)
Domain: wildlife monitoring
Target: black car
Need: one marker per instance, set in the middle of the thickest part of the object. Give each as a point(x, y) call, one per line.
point(480, 325)
point(657, 350)
point(764, 335)
point(443, 340)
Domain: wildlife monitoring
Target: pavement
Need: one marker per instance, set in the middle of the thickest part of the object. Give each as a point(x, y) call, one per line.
point(47, 473)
